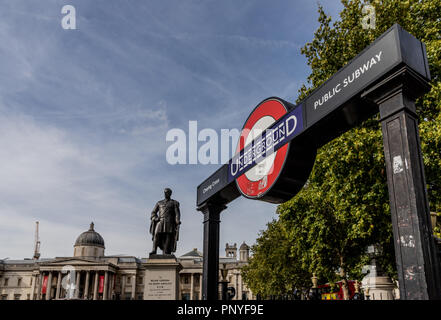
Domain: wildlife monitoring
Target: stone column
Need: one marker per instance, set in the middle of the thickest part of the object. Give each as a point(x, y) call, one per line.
point(106, 284)
point(191, 287)
point(123, 287)
point(57, 292)
point(40, 285)
point(34, 280)
point(200, 286)
point(77, 284)
point(239, 289)
point(133, 286)
point(238, 297)
point(49, 286)
point(110, 290)
point(86, 287)
point(95, 286)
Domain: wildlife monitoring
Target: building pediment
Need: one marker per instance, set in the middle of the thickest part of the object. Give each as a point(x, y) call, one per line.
point(79, 264)
point(73, 261)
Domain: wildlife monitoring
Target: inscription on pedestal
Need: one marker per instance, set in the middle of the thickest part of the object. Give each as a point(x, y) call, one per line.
point(161, 279)
point(160, 289)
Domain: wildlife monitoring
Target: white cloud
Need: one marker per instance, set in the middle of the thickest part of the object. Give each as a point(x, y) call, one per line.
point(46, 176)
point(84, 114)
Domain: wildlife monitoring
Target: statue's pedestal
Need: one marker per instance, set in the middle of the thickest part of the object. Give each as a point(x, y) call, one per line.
point(161, 280)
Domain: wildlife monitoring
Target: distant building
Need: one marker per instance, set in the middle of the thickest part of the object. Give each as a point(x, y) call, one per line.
point(191, 274)
point(101, 277)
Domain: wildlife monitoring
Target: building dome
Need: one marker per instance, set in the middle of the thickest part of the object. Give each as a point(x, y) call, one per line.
point(244, 251)
point(90, 238)
point(244, 246)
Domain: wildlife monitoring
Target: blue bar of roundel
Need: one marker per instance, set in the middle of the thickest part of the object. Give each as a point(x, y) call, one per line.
point(297, 112)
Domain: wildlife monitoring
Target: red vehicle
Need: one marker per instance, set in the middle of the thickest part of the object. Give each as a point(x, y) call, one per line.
point(336, 293)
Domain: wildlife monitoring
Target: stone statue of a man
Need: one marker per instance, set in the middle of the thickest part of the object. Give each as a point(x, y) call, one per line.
point(164, 224)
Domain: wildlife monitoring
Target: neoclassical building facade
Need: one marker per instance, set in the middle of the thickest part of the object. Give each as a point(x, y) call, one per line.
point(100, 277)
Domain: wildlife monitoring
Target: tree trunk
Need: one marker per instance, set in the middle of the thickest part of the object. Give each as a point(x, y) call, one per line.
point(344, 281)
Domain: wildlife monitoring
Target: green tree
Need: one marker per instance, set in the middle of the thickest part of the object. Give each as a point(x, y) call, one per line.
point(343, 209)
point(271, 270)
point(345, 205)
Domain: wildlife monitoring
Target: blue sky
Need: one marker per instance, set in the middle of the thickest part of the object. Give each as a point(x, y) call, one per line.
point(84, 113)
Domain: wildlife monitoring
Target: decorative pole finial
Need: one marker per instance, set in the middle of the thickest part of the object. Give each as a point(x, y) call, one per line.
point(357, 286)
point(314, 280)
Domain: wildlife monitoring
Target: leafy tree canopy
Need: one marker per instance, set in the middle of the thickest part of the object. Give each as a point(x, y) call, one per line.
point(345, 205)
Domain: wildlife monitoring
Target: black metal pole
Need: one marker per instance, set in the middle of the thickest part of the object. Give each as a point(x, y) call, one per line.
point(417, 261)
point(224, 286)
point(210, 277)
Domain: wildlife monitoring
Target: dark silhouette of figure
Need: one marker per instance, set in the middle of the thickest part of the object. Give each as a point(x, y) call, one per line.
point(164, 224)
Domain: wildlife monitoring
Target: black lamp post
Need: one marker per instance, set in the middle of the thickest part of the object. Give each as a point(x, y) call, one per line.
point(314, 293)
point(357, 295)
point(366, 293)
point(297, 294)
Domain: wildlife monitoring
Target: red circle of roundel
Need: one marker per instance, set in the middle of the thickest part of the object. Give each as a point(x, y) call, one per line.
point(256, 188)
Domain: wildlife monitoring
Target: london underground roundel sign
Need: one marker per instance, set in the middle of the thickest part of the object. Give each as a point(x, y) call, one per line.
point(268, 164)
point(258, 180)
point(273, 159)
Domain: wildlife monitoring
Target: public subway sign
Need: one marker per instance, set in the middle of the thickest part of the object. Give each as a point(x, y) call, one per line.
point(276, 152)
point(332, 94)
